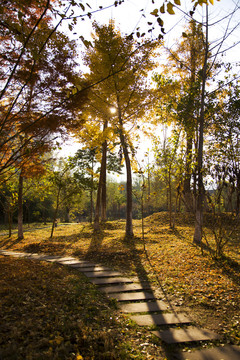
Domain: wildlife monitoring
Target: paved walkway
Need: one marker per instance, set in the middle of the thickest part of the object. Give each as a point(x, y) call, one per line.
point(146, 309)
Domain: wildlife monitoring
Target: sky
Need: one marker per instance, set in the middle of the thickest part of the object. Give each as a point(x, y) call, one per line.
point(132, 14)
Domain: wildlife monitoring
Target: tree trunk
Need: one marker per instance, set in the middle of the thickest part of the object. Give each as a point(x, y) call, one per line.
point(170, 195)
point(200, 193)
point(91, 207)
point(91, 197)
point(188, 200)
point(129, 225)
point(104, 184)
point(67, 214)
point(56, 211)
point(100, 190)
point(9, 213)
point(189, 129)
point(20, 207)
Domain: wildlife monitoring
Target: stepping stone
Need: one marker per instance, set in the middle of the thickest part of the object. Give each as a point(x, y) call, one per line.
point(34, 256)
point(229, 352)
point(132, 296)
point(93, 274)
point(68, 261)
point(82, 265)
point(189, 334)
point(160, 319)
point(150, 306)
point(50, 258)
point(12, 253)
point(94, 268)
point(123, 288)
point(108, 281)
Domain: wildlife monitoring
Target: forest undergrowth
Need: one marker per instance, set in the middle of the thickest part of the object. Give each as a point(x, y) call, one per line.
point(189, 277)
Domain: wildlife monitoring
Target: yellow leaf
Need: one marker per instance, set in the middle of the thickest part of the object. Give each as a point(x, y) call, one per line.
point(170, 8)
point(79, 357)
point(177, 2)
point(162, 9)
point(154, 12)
point(211, 2)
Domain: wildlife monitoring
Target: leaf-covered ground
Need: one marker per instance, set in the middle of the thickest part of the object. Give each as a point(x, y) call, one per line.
point(189, 277)
point(51, 312)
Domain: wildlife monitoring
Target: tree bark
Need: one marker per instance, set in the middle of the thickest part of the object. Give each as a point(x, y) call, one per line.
point(91, 197)
point(56, 211)
point(20, 207)
point(9, 213)
point(187, 193)
point(200, 193)
point(104, 184)
point(188, 200)
point(102, 178)
point(129, 225)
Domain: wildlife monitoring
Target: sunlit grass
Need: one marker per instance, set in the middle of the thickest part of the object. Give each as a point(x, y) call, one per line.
point(190, 276)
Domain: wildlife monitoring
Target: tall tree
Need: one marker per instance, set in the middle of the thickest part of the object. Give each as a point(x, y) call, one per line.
point(125, 65)
point(181, 100)
point(37, 68)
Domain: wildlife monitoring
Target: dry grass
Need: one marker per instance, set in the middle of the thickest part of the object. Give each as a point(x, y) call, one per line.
point(190, 278)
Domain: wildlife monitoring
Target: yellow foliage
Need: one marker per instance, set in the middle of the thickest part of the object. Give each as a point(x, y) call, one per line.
point(79, 357)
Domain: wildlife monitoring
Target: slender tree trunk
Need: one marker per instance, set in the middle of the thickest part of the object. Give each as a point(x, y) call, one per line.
point(91, 206)
point(9, 213)
point(129, 225)
point(20, 207)
point(188, 200)
point(101, 193)
point(200, 194)
point(67, 214)
point(104, 184)
point(98, 204)
point(91, 197)
point(56, 211)
point(170, 196)
point(149, 186)
point(238, 195)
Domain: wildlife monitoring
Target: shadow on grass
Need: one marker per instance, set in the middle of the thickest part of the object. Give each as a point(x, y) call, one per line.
point(172, 351)
point(9, 242)
point(61, 313)
point(229, 267)
point(132, 256)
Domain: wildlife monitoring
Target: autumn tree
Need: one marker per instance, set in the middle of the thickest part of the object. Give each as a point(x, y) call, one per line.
point(179, 87)
point(125, 65)
point(85, 161)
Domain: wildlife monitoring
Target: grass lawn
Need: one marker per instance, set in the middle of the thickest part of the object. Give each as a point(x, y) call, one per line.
point(52, 312)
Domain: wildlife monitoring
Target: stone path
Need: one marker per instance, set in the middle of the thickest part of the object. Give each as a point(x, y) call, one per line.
point(146, 309)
